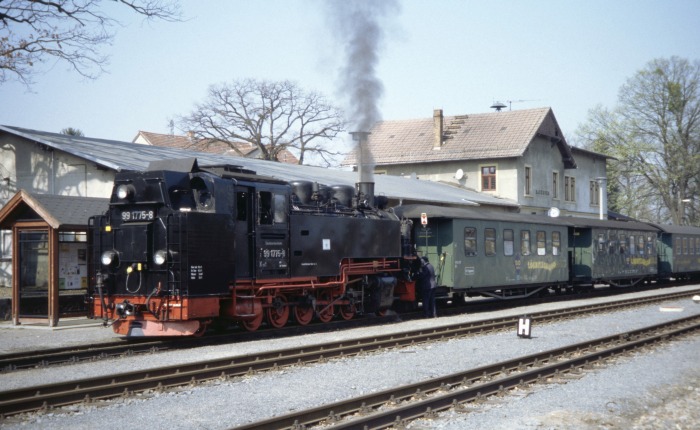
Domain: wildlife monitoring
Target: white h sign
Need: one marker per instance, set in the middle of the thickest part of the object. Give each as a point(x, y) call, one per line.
point(524, 327)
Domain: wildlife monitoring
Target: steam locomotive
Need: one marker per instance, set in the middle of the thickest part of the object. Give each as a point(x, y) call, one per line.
point(185, 247)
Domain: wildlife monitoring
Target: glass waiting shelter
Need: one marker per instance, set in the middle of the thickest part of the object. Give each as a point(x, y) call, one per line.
point(48, 249)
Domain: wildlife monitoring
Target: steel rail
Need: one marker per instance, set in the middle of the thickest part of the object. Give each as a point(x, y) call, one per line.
point(395, 407)
point(103, 387)
point(78, 353)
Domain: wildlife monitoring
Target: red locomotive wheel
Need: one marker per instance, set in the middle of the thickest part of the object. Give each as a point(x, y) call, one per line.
point(324, 309)
point(303, 313)
point(278, 312)
point(347, 312)
point(254, 324)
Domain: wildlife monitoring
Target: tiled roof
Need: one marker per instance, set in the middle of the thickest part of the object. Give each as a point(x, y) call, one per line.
point(206, 145)
point(472, 137)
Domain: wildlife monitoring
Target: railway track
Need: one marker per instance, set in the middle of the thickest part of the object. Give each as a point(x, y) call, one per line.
point(91, 389)
point(128, 347)
point(397, 406)
point(122, 347)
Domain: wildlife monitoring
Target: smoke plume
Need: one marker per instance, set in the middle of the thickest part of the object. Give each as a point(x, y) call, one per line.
point(357, 24)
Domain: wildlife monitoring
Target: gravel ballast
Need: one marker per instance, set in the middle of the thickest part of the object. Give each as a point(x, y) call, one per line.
point(647, 390)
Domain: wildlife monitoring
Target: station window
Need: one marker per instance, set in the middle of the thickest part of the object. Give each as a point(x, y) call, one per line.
point(569, 188)
point(488, 178)
point(490, 241)
point(72, 236)
point(525, 242)
point(541, 243)
point(528, 180)
point(508, 242)
point(555, 185)
point(556, 242)
point(469, 241)
point(594, 193)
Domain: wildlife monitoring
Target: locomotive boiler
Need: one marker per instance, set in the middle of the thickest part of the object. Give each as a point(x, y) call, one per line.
point(184, 247)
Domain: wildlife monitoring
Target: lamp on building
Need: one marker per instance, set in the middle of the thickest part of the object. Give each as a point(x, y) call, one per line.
point(684, 219)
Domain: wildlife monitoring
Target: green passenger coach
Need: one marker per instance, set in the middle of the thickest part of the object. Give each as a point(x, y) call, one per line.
point(612, 252)
point(498, 254)
point(679, 252)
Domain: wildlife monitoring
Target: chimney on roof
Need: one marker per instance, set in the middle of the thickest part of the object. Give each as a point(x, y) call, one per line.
point(437, 128)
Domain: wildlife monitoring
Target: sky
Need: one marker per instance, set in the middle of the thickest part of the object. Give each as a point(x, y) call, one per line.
point(457, 55)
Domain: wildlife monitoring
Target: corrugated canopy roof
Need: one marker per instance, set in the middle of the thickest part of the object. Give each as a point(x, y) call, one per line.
point(121, 156)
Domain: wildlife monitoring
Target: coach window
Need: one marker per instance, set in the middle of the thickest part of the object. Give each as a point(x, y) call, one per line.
point(650, 245)
point(508, 242)
point(601, 243)
point(490, 241)
point(525, 242)
point(632, 245)
point(623, 244)
point(541, 243)
point(677, 246)
point(640, 244)
point(556, 242)
point(469, 241)
point(685, 246)
point(697, 245)
point(612, 242)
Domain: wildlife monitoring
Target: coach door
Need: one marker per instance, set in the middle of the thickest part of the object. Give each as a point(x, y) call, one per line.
point(245, 232)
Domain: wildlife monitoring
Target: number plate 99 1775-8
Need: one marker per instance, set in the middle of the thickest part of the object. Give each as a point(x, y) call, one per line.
point(138, 215)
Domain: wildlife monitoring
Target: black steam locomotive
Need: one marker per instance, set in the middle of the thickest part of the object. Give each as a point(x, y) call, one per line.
point(183, 247)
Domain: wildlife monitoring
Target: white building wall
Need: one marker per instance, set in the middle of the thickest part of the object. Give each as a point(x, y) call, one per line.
point(542, 157)
point(38, 169)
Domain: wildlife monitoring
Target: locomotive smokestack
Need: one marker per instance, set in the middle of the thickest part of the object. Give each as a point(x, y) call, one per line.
point(365, 161)
point(365, 169)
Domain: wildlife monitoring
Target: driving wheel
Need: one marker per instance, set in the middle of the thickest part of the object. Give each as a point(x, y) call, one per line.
point(278, 312)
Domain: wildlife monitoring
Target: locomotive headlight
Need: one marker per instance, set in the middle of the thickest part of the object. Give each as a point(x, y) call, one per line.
point(160, 257)
point(125, 191)
point(109, 258)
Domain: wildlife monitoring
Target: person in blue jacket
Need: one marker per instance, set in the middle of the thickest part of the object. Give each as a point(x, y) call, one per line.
point(427, 286)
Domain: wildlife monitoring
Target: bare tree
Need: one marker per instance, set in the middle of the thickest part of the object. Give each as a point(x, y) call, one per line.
point(70, 131)
point(271, 116)
point(655, 134)
point(72, 31)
